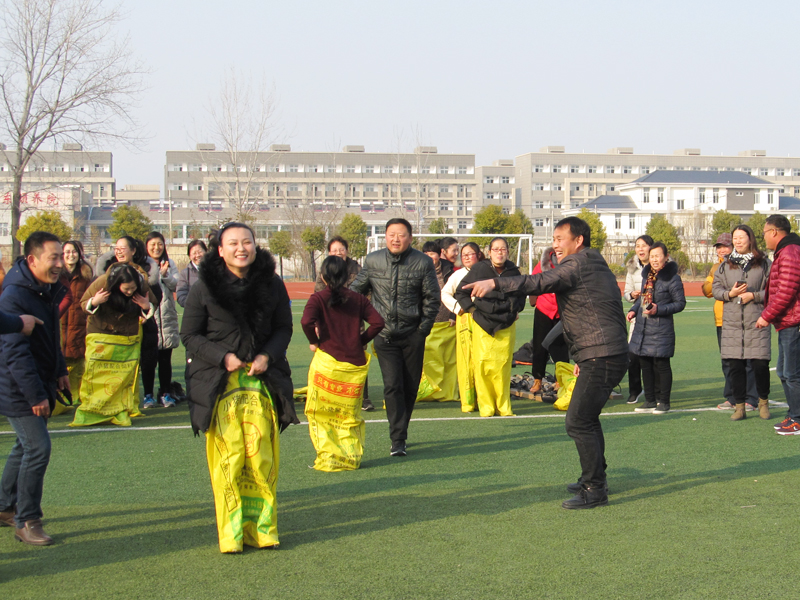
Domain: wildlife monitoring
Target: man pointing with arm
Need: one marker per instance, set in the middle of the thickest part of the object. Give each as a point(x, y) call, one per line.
point(594, 328)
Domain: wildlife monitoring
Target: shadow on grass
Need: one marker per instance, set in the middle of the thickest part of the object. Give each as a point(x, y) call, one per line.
point(652, 485)
point(79, 549)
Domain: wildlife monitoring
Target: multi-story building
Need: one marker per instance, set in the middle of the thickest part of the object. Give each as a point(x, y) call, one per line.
point(71, 181)
point(688, 199)
point(497, 185)
point(553, 180)
point(284, 189)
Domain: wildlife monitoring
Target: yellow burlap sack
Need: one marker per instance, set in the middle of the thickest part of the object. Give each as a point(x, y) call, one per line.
point(491, 359)
point(110, 384)
point(425, 389)
point(465, 370)
point(439, 362)
point(243, 455)
point(333, 408)
point(75, 369)
point(566, 383)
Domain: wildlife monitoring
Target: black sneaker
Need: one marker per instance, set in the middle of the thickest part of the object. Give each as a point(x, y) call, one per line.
point(661, 409)
point(587, 498)
point(634, 398)
point(574, 488)
point(647, 407)
point(367, 405)
point(398, 449)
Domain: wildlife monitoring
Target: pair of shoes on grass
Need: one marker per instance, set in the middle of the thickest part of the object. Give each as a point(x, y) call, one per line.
point(656, 408)
point(787, 427)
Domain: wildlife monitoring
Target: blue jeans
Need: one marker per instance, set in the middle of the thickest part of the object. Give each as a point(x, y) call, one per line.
point(23, 476)
point(789, 368)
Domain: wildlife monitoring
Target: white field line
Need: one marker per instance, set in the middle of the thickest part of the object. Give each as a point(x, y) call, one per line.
point(486, 419)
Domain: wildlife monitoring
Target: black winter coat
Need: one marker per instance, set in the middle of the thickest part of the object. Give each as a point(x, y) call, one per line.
point(247, 317)
point(588, 300)
point(30, 366)
point(655, 336)
point(404, 288)
point(496, 310)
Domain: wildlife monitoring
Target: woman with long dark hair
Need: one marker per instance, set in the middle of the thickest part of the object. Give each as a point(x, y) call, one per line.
point(117, 304)
point(332, 322)
point(471, 254)
point(78, 275)
point(741, 283)
point(653, 339)
point(166, 322)
point(493, 338)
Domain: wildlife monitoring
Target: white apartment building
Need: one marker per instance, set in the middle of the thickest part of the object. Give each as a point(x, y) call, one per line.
point(284, 189)
point(688, 199)
point(552, 180)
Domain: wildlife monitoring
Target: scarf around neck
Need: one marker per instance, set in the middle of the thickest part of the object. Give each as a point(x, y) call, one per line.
point(740, 259)
point(649, 287)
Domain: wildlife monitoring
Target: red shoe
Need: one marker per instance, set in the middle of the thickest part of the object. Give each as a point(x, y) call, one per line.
point(792, 428)
point(784, 423)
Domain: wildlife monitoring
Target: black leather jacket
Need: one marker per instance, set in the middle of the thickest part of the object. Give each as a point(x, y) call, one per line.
point(404, 291)
point(588, 299)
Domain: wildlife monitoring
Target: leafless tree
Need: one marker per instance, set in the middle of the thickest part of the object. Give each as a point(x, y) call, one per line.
point(64, 75)
point(242, 124)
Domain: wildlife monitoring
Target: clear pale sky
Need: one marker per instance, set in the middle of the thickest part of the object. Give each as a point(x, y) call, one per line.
point(496, 79)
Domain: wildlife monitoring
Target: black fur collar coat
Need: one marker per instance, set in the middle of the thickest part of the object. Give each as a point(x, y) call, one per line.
point(247, 317)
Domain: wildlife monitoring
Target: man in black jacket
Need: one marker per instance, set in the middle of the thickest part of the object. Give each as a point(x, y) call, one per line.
point(589, 302)
point(32, 368)
point(406, 294)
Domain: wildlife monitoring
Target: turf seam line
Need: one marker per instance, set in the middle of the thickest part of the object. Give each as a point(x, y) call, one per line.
point(488, 419)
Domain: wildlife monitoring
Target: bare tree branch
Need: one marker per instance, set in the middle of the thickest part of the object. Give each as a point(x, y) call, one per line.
point(64, 74)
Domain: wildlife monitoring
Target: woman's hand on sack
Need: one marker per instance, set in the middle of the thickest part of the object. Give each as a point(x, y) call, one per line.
point(100, 297)
point(630, 316)
point(653, 310)
point(232, 362)
point(313, 347)
point(747, 297)
point(452, 322)
point(141, 302)
point(260, 364)
point(63, 382)
point(576, 370)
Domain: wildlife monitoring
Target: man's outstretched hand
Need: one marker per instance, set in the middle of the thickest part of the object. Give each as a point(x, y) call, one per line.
point(480, 288)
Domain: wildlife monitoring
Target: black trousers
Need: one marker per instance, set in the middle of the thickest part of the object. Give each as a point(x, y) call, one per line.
point(657, 378)
point(161, 359)
point(596, 379)
point(634, 375)
point(542, 325)
point(727, 392)
point(737, 375)
point(401, 366)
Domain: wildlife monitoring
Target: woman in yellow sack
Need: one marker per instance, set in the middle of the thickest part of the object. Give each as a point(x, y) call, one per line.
point(493, 338)
point(470, 255)
point(438, 364)
point(237, 325)
point(332, 321)
point(117, 303)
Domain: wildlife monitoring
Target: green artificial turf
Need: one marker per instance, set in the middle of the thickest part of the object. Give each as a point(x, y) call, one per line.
point(699, 506)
